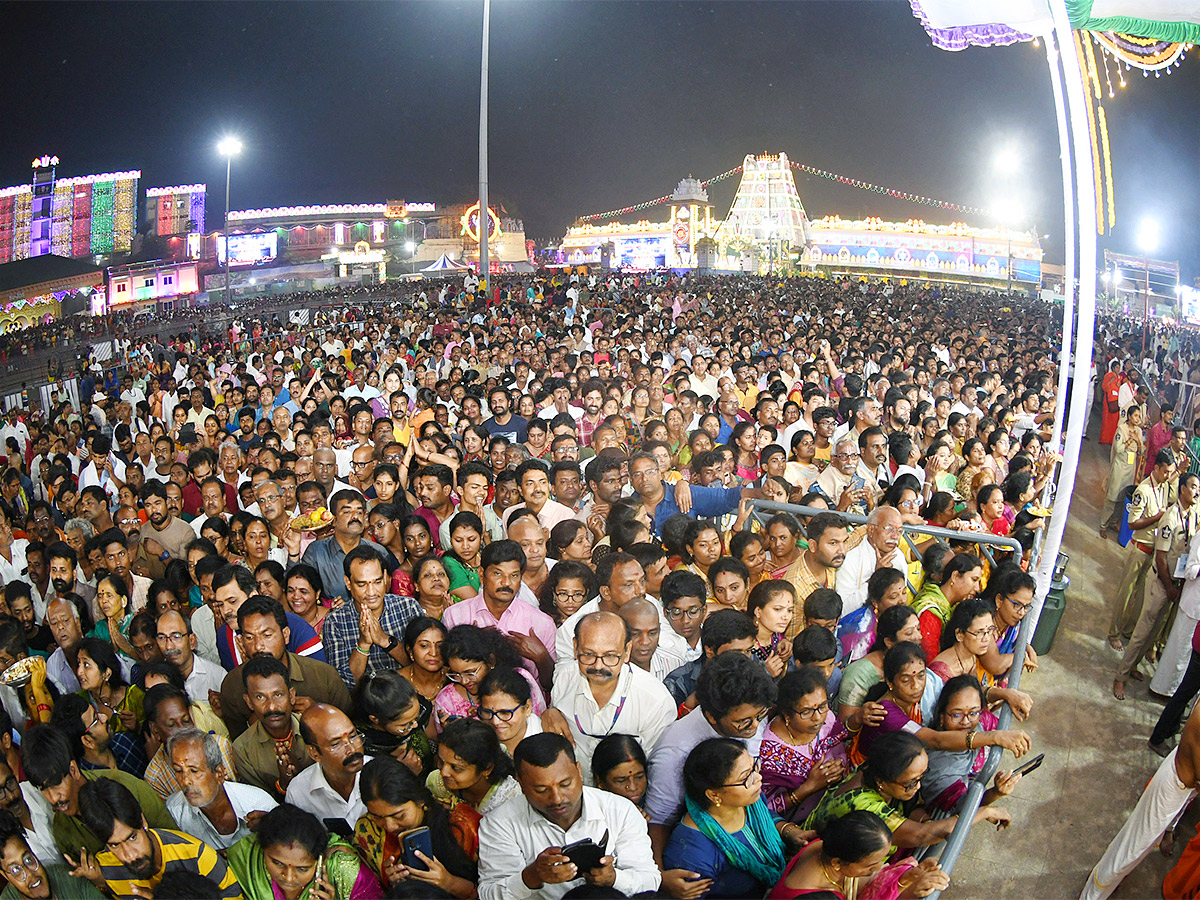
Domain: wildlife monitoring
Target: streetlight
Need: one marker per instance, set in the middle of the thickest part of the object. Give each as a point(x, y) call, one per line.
point(1147, 243)
point(411, 249)
point(1007, 161)
point(484, 221)
point(229, 147)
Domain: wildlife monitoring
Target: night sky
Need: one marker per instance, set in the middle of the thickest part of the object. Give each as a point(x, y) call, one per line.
point(593, 106)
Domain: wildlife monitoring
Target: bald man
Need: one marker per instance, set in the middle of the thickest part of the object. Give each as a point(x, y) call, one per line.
point(644, 621)
point(1159, 808)
point(601, 693)
point(329, 790)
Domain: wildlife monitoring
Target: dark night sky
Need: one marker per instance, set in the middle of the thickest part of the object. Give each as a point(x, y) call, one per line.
point(593, 106)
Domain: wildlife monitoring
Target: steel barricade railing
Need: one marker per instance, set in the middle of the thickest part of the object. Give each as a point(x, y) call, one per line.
point(969, 805)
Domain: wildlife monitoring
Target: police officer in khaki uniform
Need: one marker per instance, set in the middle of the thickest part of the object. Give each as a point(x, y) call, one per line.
point(1175, 531)
point(1149, 504)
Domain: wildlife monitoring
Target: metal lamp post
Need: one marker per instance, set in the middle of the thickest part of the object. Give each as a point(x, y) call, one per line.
point(229, 147)
point(484, 221)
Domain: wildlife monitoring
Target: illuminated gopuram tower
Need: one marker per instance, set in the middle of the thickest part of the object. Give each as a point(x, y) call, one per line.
point(767, 219)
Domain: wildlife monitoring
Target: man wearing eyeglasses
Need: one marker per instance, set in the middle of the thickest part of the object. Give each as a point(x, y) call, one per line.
point(841, 482)
point(603, 694)
point(25, 803)
point(21, 856)
point(178, 645)
point(329, 790)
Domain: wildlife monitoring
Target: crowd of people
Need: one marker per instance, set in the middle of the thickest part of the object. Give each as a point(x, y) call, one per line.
point(467, 593)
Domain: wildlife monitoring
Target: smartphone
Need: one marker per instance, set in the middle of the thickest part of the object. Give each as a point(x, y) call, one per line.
point(586, 854)
point(410, 842)
point(320, 868)
point(1030, 766)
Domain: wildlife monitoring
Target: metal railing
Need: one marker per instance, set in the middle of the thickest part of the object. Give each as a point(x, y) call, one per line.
point(953, 845)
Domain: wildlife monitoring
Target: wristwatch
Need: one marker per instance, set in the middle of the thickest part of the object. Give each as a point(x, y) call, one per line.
point(393, 643)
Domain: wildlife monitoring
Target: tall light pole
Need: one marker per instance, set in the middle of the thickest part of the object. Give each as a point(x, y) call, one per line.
point(484, 219)
point(229, 147)
point(1007, 164)
point(1147, 243)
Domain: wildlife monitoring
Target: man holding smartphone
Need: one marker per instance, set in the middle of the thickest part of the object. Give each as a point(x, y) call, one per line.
point(539, 844)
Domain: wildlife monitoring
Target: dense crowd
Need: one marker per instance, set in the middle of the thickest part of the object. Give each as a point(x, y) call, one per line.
point(465, 593)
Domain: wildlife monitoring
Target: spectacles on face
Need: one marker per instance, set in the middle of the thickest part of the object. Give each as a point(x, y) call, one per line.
point(570, 595)
point(908, 786)
point(1019, 607)
point(461, 677)
point(745, 782)
point(175, 637)
point(12, 786)
point(346, 743)
point(988, 631)
point(29, 862)
point(846, 455)
point(588, 658)
point(813, 712)
point(504, 715)
point(680, 612)
point(968, 716)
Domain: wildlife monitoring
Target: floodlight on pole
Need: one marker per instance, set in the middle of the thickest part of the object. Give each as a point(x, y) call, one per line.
point(1007, 160)
point(229, 147)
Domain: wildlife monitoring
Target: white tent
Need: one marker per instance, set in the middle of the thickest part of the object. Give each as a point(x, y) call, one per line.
point(444, 264)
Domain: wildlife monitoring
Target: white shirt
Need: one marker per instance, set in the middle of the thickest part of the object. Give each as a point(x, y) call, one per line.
point(511, 837)
point(41, 838)
point(15, 570)
point(244, 798)
point(311, 792)
point(206, 676)
point(205, 629)
point(641, 705)
point(856, 570)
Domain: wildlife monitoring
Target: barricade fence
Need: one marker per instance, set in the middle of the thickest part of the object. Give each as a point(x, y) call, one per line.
point(952, 847)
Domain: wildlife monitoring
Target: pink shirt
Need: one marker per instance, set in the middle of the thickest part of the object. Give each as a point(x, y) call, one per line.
point(519, 618)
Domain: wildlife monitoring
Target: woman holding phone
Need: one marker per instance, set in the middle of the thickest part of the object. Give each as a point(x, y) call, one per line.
point(292, 855)
point(398, 804)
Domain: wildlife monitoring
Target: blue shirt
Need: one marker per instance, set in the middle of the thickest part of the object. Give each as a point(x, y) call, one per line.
point(707, 503)
point(689, 849)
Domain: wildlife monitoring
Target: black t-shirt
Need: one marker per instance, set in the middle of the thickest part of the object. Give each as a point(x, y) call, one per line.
point(41, 640)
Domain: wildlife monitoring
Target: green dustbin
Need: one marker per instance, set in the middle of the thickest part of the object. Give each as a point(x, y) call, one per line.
point(1052, 613)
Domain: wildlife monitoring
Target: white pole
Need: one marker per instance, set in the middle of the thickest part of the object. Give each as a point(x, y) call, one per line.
point(1085, 195)
point(1068, 328)
point(484, 221)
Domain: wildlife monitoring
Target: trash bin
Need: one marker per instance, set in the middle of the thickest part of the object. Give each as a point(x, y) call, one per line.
point(1052, 613)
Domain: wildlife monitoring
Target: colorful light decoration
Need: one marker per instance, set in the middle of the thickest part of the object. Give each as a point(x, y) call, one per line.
point(470, 224)
point(178, 189)
point(373, 210)
point(42, 162)
point(809, 170)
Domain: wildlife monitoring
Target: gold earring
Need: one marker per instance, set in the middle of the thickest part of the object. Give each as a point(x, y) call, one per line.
point(716, 801)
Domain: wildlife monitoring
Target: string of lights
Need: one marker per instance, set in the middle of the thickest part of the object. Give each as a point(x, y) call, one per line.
point(809, 170)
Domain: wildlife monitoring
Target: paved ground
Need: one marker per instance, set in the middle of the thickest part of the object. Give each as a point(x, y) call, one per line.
point(1097, 761)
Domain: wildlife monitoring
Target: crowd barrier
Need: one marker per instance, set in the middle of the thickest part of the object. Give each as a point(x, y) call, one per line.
point(952, 847)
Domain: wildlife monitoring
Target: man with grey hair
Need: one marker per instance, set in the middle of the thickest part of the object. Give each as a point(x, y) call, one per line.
point(207, 805)
point(879, 550)
point(847, 490)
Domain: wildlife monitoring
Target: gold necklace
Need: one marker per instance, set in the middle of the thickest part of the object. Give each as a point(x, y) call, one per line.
point(840, 885)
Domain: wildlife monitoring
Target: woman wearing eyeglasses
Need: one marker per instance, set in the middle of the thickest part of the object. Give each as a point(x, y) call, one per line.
point(804, 746)
point(505, 704)
point(470, 653)
point(961, 708)
point(728, 834)
point(569, 585)
point(397, 802)
point(967, 642)
point(885, 784)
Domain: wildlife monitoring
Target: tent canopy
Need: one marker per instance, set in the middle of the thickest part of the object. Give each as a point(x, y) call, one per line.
point(444, 264)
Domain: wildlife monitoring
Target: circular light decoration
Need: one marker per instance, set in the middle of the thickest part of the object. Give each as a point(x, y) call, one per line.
point(470, 224)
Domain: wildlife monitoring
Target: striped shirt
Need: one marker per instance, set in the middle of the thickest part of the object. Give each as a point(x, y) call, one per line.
point(180, 853)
